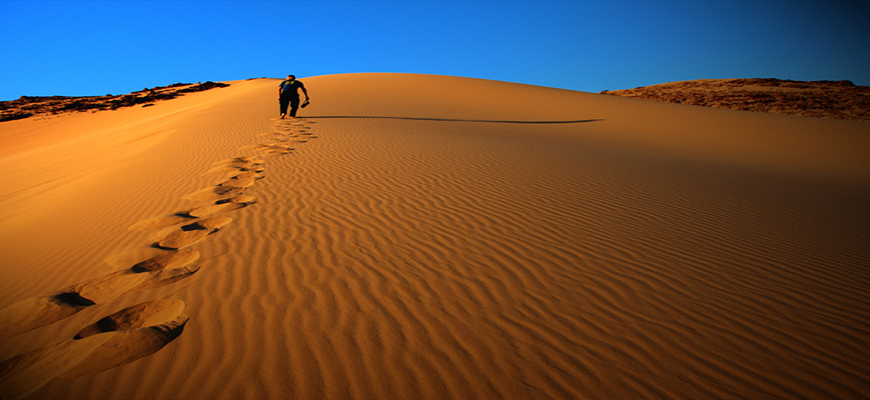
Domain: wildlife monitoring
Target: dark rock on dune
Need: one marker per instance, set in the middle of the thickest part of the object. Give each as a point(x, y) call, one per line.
point(820, 99)
point(29, 106)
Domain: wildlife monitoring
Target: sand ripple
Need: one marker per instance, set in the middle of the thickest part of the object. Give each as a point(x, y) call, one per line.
point(539, 271)
point(433, 250)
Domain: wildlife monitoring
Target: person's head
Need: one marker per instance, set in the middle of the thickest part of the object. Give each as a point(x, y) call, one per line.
point(291, 77)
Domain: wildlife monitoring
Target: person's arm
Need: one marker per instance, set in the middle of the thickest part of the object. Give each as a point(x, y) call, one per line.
point(280, 88)
point(307, 97)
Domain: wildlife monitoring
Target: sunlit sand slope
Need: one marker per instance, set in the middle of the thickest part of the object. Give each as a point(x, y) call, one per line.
point(436, 237)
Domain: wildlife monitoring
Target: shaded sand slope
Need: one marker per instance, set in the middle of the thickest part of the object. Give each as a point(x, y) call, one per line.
point(641, 250)
point(74, 183)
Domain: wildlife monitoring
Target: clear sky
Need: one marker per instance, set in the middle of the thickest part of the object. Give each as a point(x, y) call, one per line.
point(78, 48)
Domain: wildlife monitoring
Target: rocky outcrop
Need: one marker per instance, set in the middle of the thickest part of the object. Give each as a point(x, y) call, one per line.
point(819, 99)
point(29, 106)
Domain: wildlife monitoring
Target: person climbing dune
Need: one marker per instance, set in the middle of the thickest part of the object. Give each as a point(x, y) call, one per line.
point(288, 94)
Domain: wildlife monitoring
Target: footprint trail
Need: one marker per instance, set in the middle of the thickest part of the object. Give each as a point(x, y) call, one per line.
point(145, 328)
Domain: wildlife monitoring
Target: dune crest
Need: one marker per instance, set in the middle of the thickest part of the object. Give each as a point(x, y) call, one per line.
point(819, 99)
point(30, 106)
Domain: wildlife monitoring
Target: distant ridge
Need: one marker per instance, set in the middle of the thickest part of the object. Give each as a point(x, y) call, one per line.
point(819, 99)
point(29, 106)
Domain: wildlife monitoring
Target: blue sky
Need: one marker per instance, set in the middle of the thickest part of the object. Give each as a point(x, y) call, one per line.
point(78, 48)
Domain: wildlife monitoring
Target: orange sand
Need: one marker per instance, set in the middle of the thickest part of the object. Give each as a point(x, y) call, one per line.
point(430, 237)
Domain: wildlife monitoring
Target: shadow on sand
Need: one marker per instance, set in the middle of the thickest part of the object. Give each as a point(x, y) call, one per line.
point(453, 120)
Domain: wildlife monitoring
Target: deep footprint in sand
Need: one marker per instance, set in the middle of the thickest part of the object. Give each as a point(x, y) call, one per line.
point(238, 164)
point(169, 261)
point(232, 169)
point(108, 287)
point(24, 374)
point(138, 316)
point(168, 276)
point(222, 206)
point(31, 313)
point(242, 163)
point(271, 150)
point(215, 193)
point(242, 180)
point(34, 312)
point(160, 222)
point(117, 339)
point(191, 234)
point(105, 288)
point(125, 347)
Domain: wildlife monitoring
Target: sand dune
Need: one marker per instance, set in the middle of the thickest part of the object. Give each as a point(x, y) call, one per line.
point(433, 237)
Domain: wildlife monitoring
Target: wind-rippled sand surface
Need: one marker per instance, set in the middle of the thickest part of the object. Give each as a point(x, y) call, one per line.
point(435, 237)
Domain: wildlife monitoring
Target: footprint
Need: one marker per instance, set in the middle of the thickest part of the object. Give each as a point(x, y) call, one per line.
point(225, 196)
point(142, 314)
point(180, 239)
point(275, 149)
point(127, 346)
point(208, 224)
point(222, 206)
point(216, 193)
point(108, 287)
point(24, 374)
point(115, 340)
point(192, 233)
point(105, 288)
point(231, 169)
point(31, 313)
point(238, 164)
point(160, 222)
point(168, 276)
point(243, 163)
point(34, 312)
point(242, 180)
point(166, 261)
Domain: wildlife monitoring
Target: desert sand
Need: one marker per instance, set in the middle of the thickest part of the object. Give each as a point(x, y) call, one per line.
point(433, 237)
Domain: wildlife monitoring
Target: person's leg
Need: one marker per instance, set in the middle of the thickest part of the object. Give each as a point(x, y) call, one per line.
point(294, 105)
point(284, 101)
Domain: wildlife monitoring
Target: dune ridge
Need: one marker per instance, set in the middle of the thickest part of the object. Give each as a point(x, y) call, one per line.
point(841, 100)
point(30, 106)
point(423, 248)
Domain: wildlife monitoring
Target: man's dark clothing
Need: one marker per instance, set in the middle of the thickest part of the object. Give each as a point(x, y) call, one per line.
point(290, 96)
point(292, 101)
